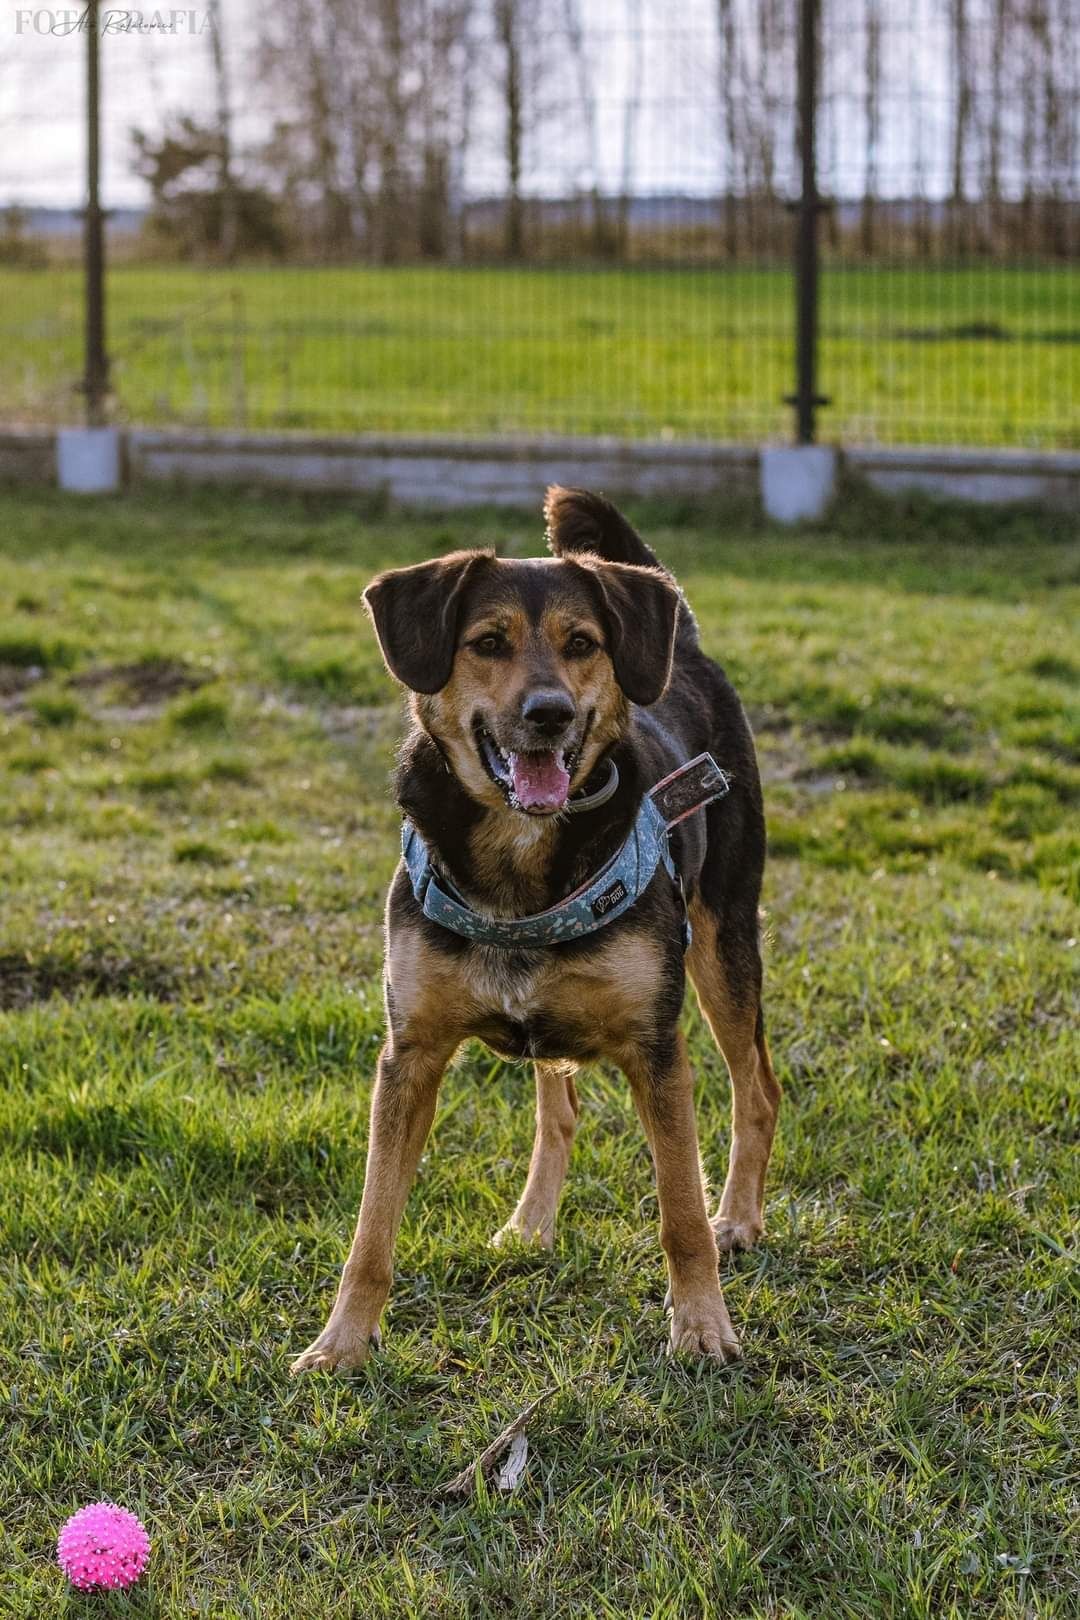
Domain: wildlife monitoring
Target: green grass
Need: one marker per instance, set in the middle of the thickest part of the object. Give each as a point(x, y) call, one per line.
point(916, 355)
point(195, 835)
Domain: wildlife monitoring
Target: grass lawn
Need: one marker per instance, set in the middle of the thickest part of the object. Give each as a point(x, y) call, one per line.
point(916, 355)
point(195, 837)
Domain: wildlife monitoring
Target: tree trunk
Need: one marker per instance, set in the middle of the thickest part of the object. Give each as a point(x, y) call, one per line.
point(576, 39)
point(872, 71)
point(631, 112)
point(961, 120)
point(228, 239)
point(994, 133)
point(391, 188)
point(506, 22)
point(727, 43)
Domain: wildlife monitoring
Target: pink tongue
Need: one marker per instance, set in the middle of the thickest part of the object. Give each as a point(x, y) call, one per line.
point(539, 781)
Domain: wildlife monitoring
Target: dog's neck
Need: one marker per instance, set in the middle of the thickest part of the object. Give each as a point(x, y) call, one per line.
point(504, 863)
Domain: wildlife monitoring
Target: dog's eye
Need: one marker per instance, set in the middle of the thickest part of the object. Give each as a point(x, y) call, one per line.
point(490, 646)
point(580, 645)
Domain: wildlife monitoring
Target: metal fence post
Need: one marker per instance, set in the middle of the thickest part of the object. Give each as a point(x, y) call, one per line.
point(96, 375)
point(806, 398)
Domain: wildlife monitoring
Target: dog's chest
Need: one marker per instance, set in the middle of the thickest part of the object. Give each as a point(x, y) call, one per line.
point(539, 1007)
point(517, 1006)
point(509, 987)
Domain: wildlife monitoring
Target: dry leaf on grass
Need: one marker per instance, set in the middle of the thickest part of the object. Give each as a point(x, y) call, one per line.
point(490, 1455)
point(514, 1466)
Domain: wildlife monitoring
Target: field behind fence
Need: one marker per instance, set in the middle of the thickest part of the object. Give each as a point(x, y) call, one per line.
point(974, 355)
point(486, 216)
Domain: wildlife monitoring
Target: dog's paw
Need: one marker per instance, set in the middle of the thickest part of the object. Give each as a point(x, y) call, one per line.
point(731, 1235)
point(703, 1330)
point(338, 1345)
point(526, 1233)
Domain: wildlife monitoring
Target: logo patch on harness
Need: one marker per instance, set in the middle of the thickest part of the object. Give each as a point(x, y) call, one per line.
point(609, 899)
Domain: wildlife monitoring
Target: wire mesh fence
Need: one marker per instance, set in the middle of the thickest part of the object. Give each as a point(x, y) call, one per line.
point(488, 217)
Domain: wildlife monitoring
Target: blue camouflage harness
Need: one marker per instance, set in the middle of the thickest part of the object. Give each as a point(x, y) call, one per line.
point(598, 901)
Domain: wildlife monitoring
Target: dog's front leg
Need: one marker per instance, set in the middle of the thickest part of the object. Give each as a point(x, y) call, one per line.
point(402, 1109)
point(663, 1088)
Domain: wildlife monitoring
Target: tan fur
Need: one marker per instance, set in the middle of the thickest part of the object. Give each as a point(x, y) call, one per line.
point(755, 1090)
point(402, 1110)
point(512, 856)
point(605, 997)
point(493, 688)
point(603, 1003)
point(700, 1322)
point(533, 1221)
point(434, 1003)
point(609, 997)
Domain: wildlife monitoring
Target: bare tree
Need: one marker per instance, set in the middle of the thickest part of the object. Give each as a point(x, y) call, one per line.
point(732, 146)
point(635, 44)
point(1052, 46)
point(445, 65)
point(508, 34)
point(309, 148)
point(999, 44)
point(872, 109)
point(962, 105)
point(389, 71)
point(226, 181)
point(587, 98)
point(374, 118)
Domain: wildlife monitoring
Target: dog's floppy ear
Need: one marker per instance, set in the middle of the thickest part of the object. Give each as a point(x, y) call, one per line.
point(416, 612)
point(639, 608)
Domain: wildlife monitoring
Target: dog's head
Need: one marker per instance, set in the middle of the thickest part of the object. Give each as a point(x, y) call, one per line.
point(523, 671)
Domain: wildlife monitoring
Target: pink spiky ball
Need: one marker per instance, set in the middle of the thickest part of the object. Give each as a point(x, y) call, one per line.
point(102, 1547)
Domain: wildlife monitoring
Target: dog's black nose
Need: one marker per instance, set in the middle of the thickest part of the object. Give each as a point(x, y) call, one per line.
point(548, 712)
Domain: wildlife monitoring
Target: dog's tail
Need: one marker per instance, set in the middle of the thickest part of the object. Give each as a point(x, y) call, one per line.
point(577, 520)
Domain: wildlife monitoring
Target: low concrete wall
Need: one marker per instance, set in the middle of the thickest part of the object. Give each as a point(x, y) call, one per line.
point(443, 471)
point(991, 477)
point(446, 472)
point(27, 456)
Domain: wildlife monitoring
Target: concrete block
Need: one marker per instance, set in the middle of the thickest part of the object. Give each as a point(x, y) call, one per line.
point(797, 481)
point(88, 460)
point(442, 471)
point(27, 456)
point(997, 477)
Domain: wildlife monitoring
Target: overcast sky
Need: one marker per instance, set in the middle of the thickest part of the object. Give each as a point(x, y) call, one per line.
point(150, 75)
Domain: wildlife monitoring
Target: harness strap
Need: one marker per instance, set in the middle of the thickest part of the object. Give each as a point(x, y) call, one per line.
point(600, 899)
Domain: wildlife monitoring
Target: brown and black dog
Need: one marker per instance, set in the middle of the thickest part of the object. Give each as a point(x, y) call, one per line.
point(526, 679)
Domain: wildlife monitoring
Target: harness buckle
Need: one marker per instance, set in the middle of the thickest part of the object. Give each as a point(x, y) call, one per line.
point(697, 782)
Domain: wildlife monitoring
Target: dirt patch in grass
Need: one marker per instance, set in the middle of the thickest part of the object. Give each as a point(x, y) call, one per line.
point(25, 979)
point(151, 680)
point(14, 679)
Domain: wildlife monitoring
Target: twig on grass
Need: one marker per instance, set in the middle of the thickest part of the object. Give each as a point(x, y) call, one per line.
point(490, 1455)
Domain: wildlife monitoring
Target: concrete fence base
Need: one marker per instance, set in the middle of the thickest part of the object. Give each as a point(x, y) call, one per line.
point(447, 472)
point(88, 460)
point(798, 482)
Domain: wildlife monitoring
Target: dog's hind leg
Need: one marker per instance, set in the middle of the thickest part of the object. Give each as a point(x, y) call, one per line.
point(727, 978)
point(533, 1221)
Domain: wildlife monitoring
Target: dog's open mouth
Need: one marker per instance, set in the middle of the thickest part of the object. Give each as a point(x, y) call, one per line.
point(536, 782)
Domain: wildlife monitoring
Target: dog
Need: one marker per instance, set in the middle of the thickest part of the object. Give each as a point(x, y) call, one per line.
point(548, 698)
